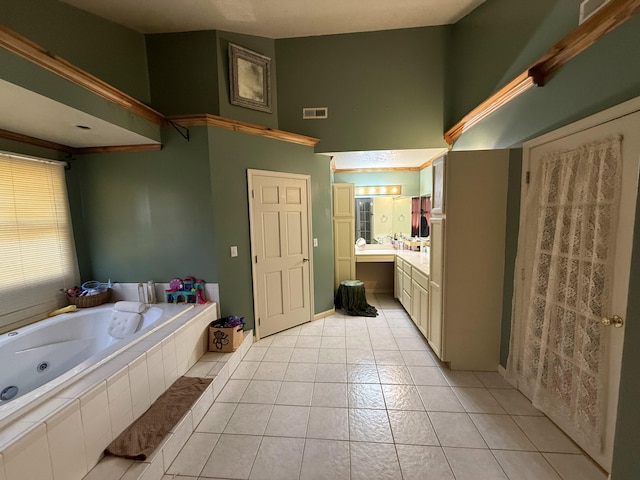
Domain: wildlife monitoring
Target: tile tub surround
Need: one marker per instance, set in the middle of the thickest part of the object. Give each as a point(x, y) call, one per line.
point(96, 408)
point(300, 406)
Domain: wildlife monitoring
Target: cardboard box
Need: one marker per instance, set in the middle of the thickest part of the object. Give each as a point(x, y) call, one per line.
point(225, 339)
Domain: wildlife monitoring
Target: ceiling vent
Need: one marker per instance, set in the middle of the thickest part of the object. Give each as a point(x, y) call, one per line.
point(309, 113)
point(589, 7)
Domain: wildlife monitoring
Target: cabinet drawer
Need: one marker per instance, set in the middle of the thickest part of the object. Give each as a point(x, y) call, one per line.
point(420, 278)
point(406, 281)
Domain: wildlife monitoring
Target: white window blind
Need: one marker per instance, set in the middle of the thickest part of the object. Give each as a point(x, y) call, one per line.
point(37, 252)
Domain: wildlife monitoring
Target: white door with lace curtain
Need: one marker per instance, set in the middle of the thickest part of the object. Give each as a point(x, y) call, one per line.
point(574, 256)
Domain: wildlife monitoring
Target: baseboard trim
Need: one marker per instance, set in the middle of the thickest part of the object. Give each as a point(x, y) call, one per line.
point(324, 314)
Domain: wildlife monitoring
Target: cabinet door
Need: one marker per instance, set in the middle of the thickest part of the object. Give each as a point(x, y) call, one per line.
point(343, 233)
point(397, 286)
point(436, 288)
point(423, 315)
point(438, 179)
point(419, 307)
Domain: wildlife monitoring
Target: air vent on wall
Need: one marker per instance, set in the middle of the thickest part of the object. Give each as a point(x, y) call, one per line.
point(589, 7)
point(315, 113)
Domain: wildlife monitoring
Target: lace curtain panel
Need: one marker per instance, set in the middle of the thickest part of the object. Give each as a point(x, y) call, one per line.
point(558, 344)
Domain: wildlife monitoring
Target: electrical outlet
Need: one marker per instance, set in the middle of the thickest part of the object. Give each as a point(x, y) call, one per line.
point(315, 242)
point(234, 251)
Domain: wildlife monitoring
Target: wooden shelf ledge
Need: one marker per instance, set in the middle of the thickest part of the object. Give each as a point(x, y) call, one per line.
point(205, 119)
point(602, 22)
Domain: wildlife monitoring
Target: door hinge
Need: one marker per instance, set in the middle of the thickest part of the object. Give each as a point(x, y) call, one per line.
point(527, 177)
point(256, 258)
point(253, 194)
point(258, 321)
point(522, 274)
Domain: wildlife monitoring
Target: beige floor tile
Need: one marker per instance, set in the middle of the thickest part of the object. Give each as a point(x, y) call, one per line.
point(328, 423)
point(288, 421)
point(374, 460)
point(331, 372)
point(278, 458)
point(325, 460)
point(412, 428)
point(369, 426)
point(545, 435)
point(423, 463)
point(525, 465)
point(232, 457)
point(402, 397)
point(329, 395)
point(194, 454)
point(456, 430)
point(474, 464)
point(301, 372)
point(261, 391)
point(365, 395)
point(501, 432)
point(295, 393)
point(249, 419)
point(478, 400)
point(575, 467)
point(439, 399)
point(215, 420)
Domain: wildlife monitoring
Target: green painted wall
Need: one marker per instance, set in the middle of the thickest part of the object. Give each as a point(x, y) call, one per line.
point(263, 46)
point(498, 41)
point(602, 76)
point(510, 248)
point(426, 181)
point(183, 68)
point(21, 72)
point(147, 216)
point(109, 51)
point(231, 154)
point(626, 458)
point(410, 181)
point(384, 90)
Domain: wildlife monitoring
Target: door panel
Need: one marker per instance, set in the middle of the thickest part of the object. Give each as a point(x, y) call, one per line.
point(627, 125)
point(436, 336)
point(280, 234)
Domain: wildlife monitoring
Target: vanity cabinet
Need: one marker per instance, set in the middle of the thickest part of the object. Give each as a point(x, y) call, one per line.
point(420, 301)
point(467, 258)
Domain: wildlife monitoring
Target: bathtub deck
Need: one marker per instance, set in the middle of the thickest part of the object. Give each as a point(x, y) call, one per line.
point(220, 367)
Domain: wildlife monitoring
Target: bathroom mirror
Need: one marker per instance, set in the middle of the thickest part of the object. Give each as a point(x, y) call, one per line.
point(378, 218)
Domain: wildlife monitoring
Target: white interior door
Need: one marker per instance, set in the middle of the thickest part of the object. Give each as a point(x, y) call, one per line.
point(622, 120)
point(280, 220)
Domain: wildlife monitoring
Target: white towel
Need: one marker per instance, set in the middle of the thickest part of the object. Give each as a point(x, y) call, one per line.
point(134, 307)
point(123, 324)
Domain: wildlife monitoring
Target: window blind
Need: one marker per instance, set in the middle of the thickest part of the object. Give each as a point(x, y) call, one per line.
point(37, 252)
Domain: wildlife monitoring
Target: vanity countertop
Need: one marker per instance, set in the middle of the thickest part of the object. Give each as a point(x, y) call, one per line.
point(417, 260)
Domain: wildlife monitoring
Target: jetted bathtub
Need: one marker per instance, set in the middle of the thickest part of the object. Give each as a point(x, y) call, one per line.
point(44, 357)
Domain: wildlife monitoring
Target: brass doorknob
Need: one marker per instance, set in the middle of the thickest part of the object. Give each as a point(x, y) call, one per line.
point(305, 260)
point(616, 321)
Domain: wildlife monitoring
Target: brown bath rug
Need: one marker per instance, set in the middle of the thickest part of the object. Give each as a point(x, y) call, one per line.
point(141, 438)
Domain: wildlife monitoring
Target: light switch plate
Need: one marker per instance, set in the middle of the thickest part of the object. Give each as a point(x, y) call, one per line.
point(315, 242)
point(234, 251)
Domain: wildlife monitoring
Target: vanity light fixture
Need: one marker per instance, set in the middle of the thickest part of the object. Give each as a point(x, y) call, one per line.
point(379, 190)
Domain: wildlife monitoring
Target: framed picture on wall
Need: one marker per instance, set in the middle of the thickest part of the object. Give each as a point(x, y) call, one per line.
point(250, 80)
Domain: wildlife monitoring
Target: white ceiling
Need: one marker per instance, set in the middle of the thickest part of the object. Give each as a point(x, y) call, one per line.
point(277, 18)
point(375, 159)
point(40, 117)
point(37, 116)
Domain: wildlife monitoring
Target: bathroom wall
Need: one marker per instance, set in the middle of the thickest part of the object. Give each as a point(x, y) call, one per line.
point(409, 181)
point(231, 154)
point(148, 215)
point(384, 90)
point(111, 52)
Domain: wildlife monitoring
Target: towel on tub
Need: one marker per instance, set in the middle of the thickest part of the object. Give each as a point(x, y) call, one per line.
point(141, 438)
point(123, 324)
point(134, 307)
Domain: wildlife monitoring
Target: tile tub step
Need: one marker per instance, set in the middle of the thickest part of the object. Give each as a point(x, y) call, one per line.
point(218, 365)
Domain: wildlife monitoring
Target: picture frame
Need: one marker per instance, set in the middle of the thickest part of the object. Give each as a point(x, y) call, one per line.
point(250, 78)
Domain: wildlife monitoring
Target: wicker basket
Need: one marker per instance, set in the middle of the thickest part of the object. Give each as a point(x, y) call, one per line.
point(90, 301)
